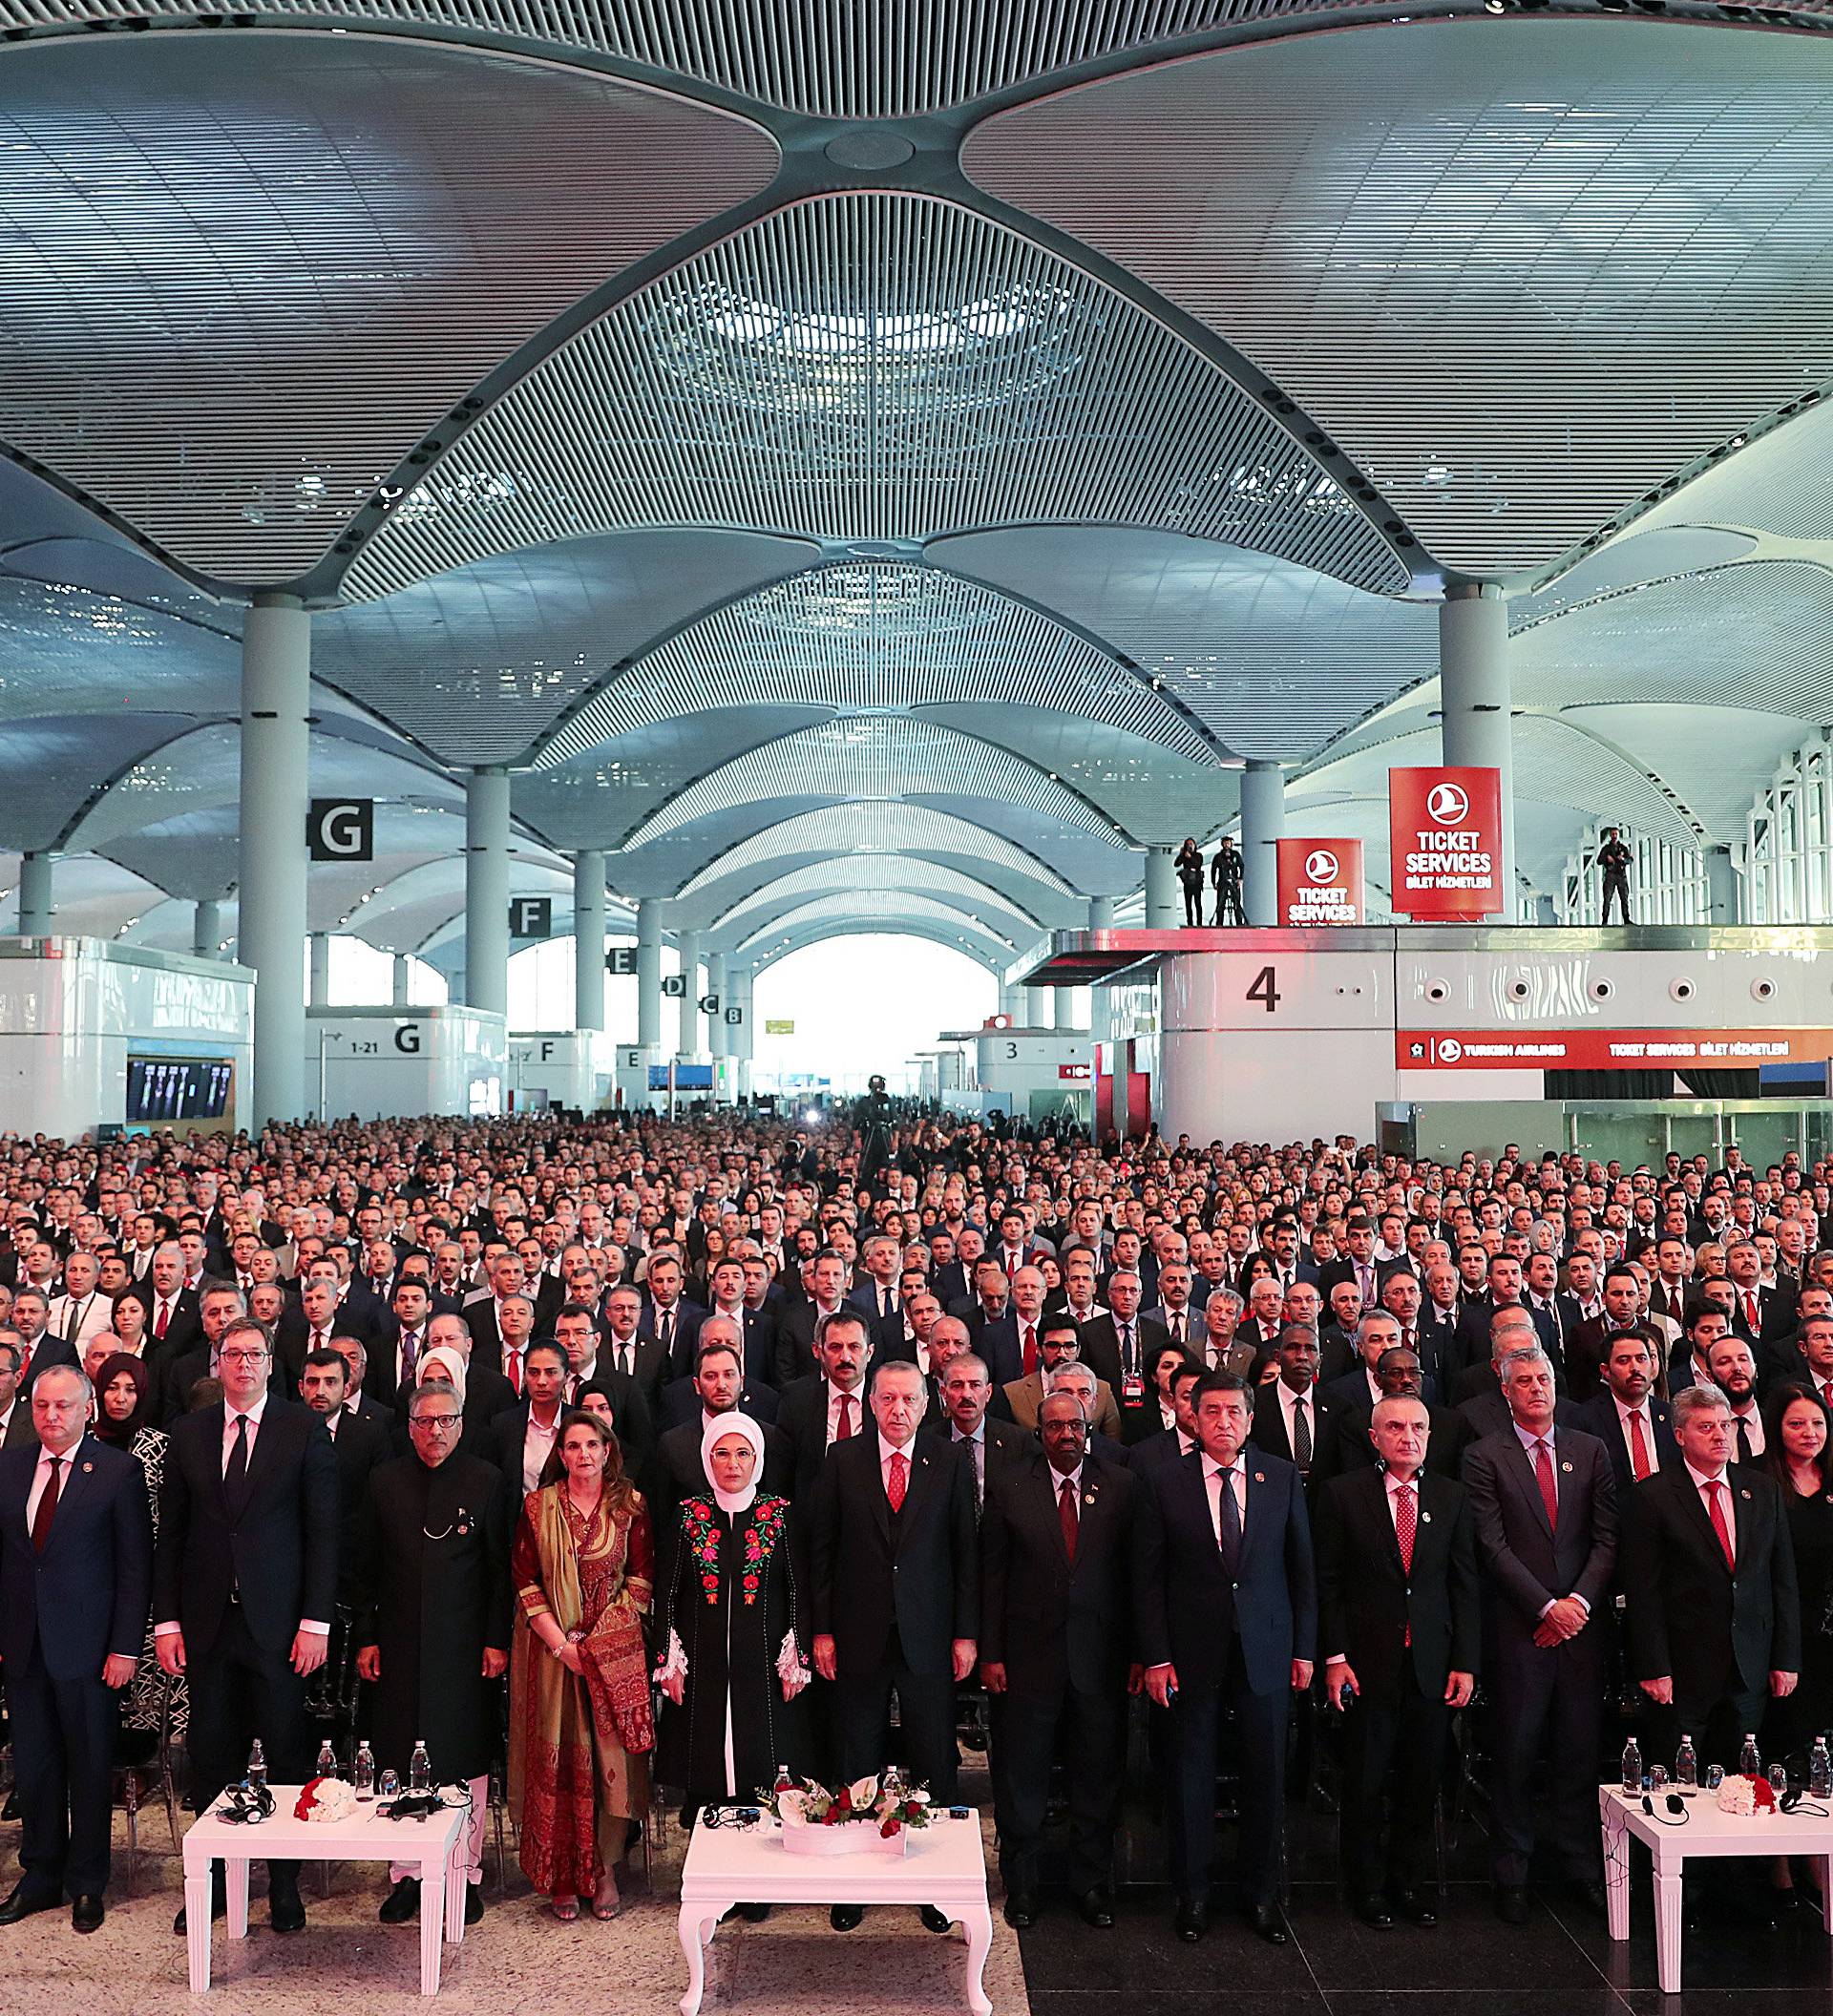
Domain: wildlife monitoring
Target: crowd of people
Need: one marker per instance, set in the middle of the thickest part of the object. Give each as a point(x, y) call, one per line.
point(657, 1458)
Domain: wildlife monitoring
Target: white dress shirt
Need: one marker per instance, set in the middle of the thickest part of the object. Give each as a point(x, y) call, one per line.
point(1290, 1402)
point(886, 1451)
point(41, 1478)
point(537, 1445)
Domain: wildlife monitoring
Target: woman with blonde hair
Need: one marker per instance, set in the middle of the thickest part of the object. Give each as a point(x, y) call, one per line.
point(581, 1725)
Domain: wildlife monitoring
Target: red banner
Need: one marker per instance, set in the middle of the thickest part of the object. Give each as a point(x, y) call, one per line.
point(1320, 881)
point(1606, 1049)
point(1075, 1074)
point(1445, 829)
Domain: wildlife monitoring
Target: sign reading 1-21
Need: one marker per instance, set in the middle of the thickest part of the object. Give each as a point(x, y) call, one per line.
point(1265, 989)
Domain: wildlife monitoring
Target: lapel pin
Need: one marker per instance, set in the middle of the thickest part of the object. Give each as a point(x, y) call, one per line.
point(1259, 1477)
point(1426, 1518)
point(1568, 1468)
point(87, 1467)
point(1087, 1497)
point(1742, 1494)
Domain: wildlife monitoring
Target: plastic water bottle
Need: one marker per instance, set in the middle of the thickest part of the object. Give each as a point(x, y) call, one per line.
point(784, 1781)
point(1686, 1766)
point(257, 1764)
point(1633, 1768)
point(327, 1765)
point(364, 1772)
point(1749, 1760)
point(419, 1769)
point(1820, 1771)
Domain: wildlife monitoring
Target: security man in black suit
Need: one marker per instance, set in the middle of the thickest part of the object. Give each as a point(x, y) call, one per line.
point(1400, 1630)
point(245, 1580)
point(75, 1578)
point(1713, 1615)
point(1056, 1539)
point(1225, 1617)
point(1614, 860)
point(895, 1571)
point(1352, 1444)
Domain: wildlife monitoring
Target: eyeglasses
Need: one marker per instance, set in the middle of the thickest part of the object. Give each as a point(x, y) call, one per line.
point(444, 1422)
point(241, 1357)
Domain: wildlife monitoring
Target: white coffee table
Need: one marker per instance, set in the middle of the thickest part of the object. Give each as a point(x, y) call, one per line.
point(945, 1866)
point(437, 1844)
point(1706, 1832)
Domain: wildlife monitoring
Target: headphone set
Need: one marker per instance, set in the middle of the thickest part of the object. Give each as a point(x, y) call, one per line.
point(247, 1804)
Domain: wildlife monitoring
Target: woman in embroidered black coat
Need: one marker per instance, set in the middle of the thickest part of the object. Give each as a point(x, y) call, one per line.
point(731, 1632)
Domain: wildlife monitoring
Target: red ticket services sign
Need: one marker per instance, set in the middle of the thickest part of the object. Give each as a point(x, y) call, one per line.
point(1320, 881)
point(1445, 829)
point(1606, 1049)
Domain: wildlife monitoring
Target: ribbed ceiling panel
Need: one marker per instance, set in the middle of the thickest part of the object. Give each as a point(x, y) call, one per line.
point(837, 58)
point(871, 757)
point(868, 830)
point(1781, 483)
point(1755, 635)
point(871, 636)
point(1271, 658)
point(885, 912)
point(888, 875)
point(1523, 270)
point(244, 278)
point(872, 367)
point(477, 666)
point(50, 766)
point(65, 650)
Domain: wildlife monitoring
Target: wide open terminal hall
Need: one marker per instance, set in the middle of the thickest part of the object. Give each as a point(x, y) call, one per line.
point(914, 1070)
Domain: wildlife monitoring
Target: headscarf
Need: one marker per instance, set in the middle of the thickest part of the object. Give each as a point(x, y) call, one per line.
point(720, 1426)
point(452, 1368)
point(107, 1429)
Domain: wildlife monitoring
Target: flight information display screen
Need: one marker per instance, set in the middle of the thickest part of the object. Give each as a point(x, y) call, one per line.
point(165, 1088)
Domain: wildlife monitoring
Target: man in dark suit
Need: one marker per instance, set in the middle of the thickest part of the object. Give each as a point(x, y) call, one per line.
point(1118, 1348)
point(1589, 1344)
point(961, 1419)
point(16, 1430)
point(1357, 1265)
point(796, 1326)
point(1400, 1628)
point(827, 1408)
point(669, 1317)
point(39, 1350)
point(361, 1444)
point(1351, 1443)
point(75, 1579)
point(896, 1572)
point(1626, 1416)
point(1760, 1315)
point(398, 1334)
point(1179, 1440)
point(1506, 1290)
point(1056, 1539)
point(173, 1324)
point(1544, 1498)
point(679, 1472)
point(245, 1580)
point(1012, 1347)
point(1290, 1418)
point(1715, 1624)
point(1225, 1617)
point(624, 1347)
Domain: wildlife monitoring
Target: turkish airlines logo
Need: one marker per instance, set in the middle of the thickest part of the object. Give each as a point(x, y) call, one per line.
point(1320, 866)
point(1447, 804)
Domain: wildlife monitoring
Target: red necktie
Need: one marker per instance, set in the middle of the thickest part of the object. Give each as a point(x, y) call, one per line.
point(158, 1321)
point(1716, 1510)
point(47, 1510)
point(1030, 1348)
point(845, 1430)
point(1548, 1491)
point(1827, 1395)
point(1066, 1517)
point(1406, 1525)
point(894, 1485)
point(1639, 1461)
point(512, 1365)
point(1750, 1311)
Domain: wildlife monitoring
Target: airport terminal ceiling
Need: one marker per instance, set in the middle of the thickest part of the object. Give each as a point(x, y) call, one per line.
point(908, 470)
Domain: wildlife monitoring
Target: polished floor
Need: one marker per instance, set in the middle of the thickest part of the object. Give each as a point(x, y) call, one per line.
point(1741, 1956)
